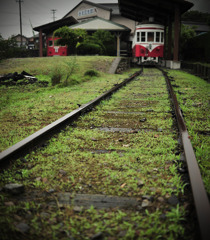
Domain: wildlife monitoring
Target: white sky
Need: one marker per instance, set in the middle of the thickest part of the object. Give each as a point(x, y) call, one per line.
point(38, 12)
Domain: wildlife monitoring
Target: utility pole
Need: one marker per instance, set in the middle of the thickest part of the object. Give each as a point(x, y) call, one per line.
point(21, 39)
point(53, 12)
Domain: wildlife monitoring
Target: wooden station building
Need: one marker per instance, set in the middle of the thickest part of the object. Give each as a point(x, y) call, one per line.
point(121, 19)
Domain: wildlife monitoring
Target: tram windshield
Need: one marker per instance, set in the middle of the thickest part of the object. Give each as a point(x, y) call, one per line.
point(143, 37)
point(150, 37)
point(157, 36)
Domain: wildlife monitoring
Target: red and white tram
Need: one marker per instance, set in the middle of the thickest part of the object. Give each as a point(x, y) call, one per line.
point(53, 49)
point(148, 43)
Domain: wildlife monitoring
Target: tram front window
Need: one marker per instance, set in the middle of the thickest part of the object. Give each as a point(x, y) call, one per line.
point(157, 36)
point(150, 37)
point(143, 37)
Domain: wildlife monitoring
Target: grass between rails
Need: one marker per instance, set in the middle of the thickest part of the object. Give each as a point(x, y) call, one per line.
point(87, 224)
point(136, 164)
point(193, 96)
point(26, 109)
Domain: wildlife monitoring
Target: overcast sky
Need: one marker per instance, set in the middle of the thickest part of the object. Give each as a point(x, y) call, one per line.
point(38, 12)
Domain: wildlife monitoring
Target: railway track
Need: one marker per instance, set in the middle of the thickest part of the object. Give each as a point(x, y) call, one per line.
point(124, 153)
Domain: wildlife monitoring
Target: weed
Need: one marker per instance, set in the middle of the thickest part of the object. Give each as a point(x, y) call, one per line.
point(56, 75)
point(91, 73)
point(71, 66)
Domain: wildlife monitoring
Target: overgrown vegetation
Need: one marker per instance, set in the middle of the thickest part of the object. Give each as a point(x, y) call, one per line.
point(79, 42)
point(193, 97)
point(198, 48)
point(89, 160)
point(91, 73)
point(187, 34)
point(70, 37)
point(26, 109)
point(9, 49)
point(196, 16)
point(195, 48)
point(104, 39)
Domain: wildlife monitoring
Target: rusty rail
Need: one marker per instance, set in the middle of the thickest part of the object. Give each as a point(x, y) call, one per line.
point(23, 147)
point(201, 200)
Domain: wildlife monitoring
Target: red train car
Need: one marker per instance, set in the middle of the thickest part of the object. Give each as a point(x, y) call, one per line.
point(148, 43)
point(53, 49)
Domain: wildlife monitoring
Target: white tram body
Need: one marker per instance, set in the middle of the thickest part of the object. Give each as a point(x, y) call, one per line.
point(148, 43)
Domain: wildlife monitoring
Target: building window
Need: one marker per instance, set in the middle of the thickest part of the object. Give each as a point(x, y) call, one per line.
point(86, 12)
point(150, 37)
point(143, 37)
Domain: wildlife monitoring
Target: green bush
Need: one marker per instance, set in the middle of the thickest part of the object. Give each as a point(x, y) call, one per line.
point(89, 49)
point(16, 52)
point(91, 73)
point(198, 48)
point(56, 75)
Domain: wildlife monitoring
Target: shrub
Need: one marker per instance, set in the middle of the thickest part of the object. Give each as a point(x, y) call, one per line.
point(91, 73)
point(198, 48)
point(56, 75)
point(70, 37)
point(89, 49)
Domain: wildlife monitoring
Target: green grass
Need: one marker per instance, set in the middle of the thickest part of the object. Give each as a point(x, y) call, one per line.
point(26, 109)
point(193, 97)
point(146, 156)
point(46, 65)
point(133, 164)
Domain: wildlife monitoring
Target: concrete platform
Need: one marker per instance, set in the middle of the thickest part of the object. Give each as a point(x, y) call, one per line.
point(114, 65)
point(171, 64)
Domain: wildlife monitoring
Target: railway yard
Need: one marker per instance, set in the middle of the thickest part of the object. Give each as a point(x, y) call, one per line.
point(118, 172)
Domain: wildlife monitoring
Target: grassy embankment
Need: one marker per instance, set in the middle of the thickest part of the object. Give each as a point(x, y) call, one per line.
point(26, 109)
point(193, 96)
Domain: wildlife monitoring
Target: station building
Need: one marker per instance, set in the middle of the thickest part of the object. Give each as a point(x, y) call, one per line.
point(91, 17)
point(121, 19)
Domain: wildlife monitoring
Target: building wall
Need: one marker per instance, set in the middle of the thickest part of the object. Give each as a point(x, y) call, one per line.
point(85, 11)
point(18, 40)
point(124, 21)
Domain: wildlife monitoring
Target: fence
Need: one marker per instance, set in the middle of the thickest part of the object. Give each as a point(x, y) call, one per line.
point(197, 69)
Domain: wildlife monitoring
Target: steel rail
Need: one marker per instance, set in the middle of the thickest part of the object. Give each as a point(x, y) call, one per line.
point(201, 200)
point(26, 145)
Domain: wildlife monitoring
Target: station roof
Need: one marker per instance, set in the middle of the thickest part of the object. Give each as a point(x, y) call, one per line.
point(52, 26)
point(99, 23)
point(89, 3)
point(161, 10)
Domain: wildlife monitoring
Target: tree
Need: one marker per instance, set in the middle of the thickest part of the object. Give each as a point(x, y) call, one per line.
point(196, 16)
point(187, 33)
point(70, 37)
point(102, 38)
point(7, 47)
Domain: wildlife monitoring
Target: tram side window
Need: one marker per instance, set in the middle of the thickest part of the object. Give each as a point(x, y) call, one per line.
point(150, 37)
point(162, 37)
point(157, 36)
point(50, 43)
point(56, 43)
point(138, 37)
point(143, 37)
